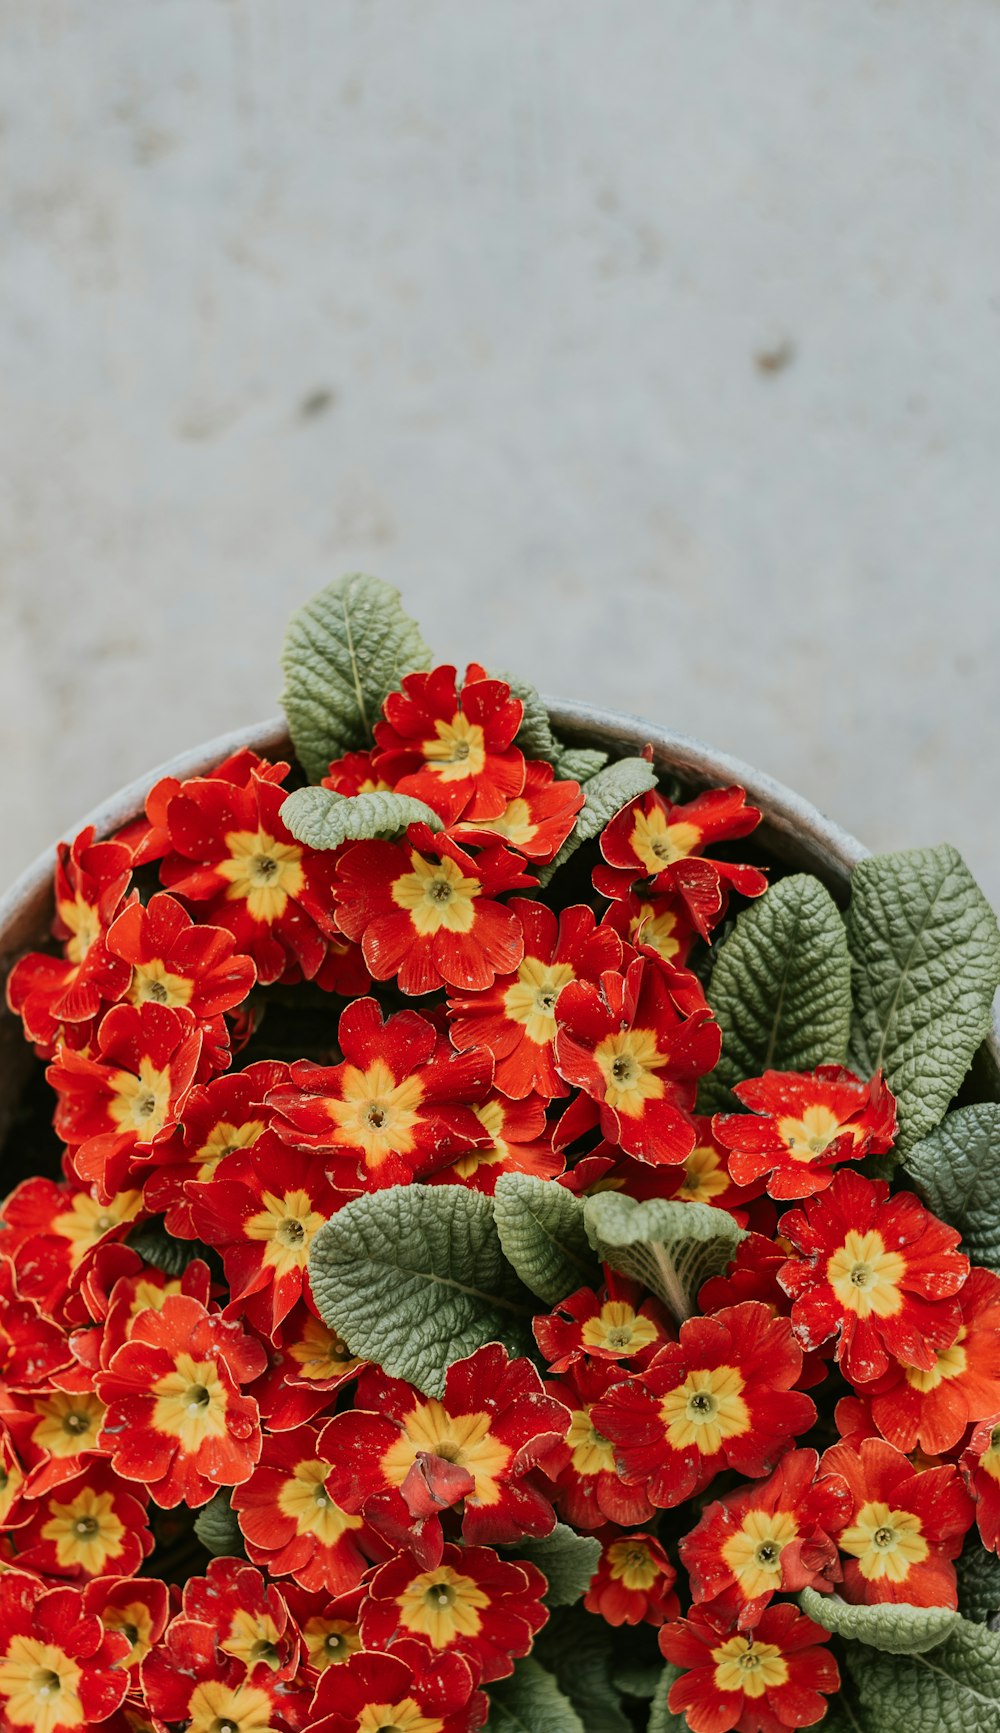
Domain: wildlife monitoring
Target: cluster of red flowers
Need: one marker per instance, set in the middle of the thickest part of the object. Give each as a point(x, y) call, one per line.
point(383, 1579)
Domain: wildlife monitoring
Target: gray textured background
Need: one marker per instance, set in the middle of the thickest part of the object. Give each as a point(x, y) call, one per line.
point(650, 347)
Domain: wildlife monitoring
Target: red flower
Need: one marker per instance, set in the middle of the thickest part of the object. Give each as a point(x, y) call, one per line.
point(636, 1045)
point(56, 1431)
point(775, 1678)
point(231, 854)
point(217, 1119)
point(981, 1462)
point(455, 752)
point(590, 1490)
point(472, 1604)
point(660, 924)
point(177, 963)
point(14, 1510)
point(515, 1018)
point(720, 1397)
point(536, 822)
point(932, 1409)
point(328, 1627)
point(49, 1229)
point(426, 912)
point(768, 1539)
point(905, 1526)
point(137, 1607)
point(247, 1615)
point(59, 1668)
point(32, 1347)
point(120, 1103)
point(292, 1525)
point(355, 773)
point(176, 1419)
point(308, 1362)
point(397, 1106)
point(660, 844)
point(204, 1677)
point(402, 1459)
point(615, 1324)
point(633, 1583)
point(801, 1124)
point(91, 881)
point(91, 1527)
point(879, 1272)
point(373, 1691)
point(520, 1143)
point(262, 1210)
point(705, 1177)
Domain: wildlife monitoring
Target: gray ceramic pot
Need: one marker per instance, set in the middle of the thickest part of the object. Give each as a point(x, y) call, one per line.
point(792, 831)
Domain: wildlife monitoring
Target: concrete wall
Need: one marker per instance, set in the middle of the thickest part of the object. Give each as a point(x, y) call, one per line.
point(650, 347)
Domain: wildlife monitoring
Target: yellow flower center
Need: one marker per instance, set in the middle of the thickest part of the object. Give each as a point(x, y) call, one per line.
point(457, 751)
point(86, 1531)
point(592, 1452)
point(464, 1439)
point(619, 1329)
point(865, 1277)
point(136, 1623)
point(437, 896)
point(949, 1363)
point(490, 1116)
point(305, 1500)
point(515, 823)
point(658, 844)
point(441, 1605)
point(11, 1482)
point(263, 872)
point(811, 1135)
point(531, 999)
point(886, 1543)
point(190, 1403)
point(226, 1139)
point(753, 1553)
point(626, 1062)
point(67, 1424)
point(253, 1638)
point(219, 1708)
point(704, 1175)
point(632, 1563)
point(376, 1114)
point(140, 1104)
point(320, 1353)
point(84, 927)
point(705, 1409)
point(87, 1221)
point(154, 982)
point(751, 1667)
point(40, 1685)
point(660, 930)
point(330, 1640)
point(287, 1225)
point(990, 1459)
point(403, 1717)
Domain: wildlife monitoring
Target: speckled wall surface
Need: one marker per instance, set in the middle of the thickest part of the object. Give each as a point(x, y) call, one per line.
point(652, 348)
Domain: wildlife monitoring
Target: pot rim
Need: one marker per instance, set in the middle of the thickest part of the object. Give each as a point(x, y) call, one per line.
point(796, 830)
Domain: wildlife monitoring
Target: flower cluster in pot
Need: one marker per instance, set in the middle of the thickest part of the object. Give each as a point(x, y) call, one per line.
point(818, 1419)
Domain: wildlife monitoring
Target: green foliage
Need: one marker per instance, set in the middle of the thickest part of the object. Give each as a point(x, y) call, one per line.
point(780, 988)
point(926, 953)
point(579, 1648)
point(323, 819)
point(662, 1719)
point(542, 1232)
point(165, 1252)
point(894, 1628)
point(217, 1528)
point(957, 1169)
point(579, 763)
point(978, 1581)
point(566, 1558)
point(414, 1277)
point(953, 1689)
point(606, 794)
point(668, 1246)
point(344, 651)
point(534, 737)
point(530, 1701)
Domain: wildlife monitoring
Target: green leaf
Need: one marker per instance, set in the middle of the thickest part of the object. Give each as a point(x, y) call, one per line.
point(164, 1251)
point(323, 819)
point(534, 737)
point(579, 1648)
point(566, 1558)
point(414, 1277)
point(781, 988)
point(953, 1689)
point(606, 794)
point(926, 952)
point(957, 1170)
point(579, 763)
point(637, 1678)
point(894, 1628)
point(530, 1701)
point(344, 651)
point(670, 1247)
point(662, 1719)
point(542, 1233)
point(978, 1582)
point(217, 1528)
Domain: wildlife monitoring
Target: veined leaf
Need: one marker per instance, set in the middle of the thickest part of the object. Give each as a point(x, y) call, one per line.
point(670, 1247)
point(567, 1559)
point(579, 763)
point(579, 1648)
point(891, 1627)
point(605, 795)
point(534, 737)
point(530, 1701)
point(953, 1689)
point(662, 1719)
point(926, 953)
point(978, 1582)
point(542, 1233)
point(414, 1277)
point(344, 651)
point(323, 819)
point(957, 1170)
point(780, 988)
point(217, 1528)
point(164, 1250)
